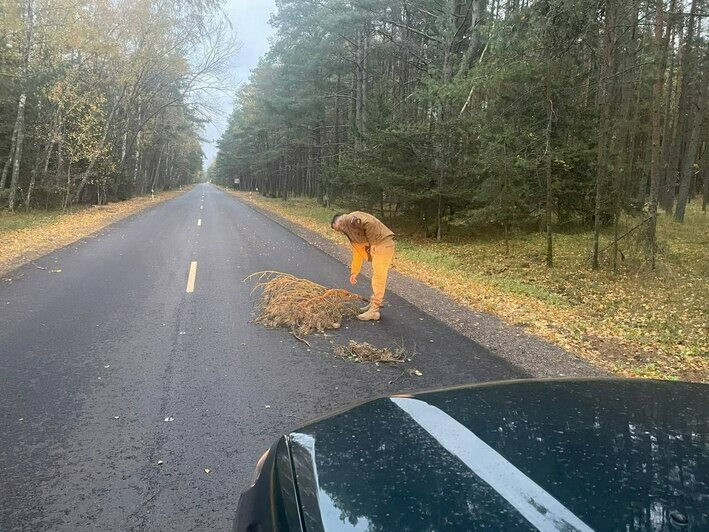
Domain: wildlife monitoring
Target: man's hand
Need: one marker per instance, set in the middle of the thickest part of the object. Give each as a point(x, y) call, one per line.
point(353, 278)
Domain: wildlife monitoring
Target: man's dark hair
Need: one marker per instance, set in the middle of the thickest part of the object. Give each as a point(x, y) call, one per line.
point(334, 218)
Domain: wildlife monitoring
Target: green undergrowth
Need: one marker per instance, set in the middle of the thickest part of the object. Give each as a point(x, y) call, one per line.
point(10, 221)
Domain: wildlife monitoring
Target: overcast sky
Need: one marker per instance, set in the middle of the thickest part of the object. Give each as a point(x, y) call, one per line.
point(250, 21)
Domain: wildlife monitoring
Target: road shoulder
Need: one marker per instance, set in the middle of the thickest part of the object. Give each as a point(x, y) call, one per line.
point(513, 344)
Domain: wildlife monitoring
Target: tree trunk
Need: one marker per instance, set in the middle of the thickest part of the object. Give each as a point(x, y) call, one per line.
point(365, 81)
point(336, 150)
point(705, 184)
point(684, 117)
point(8, 161)
point(439, 208)
point(358, 89)
point(20, 123)
point(45, 167)
point(65, 203)
point(672, 121)
point(656, 158)
point(87, 173)
point(688, 168)
point(137, 160)
point(622, 140)
point(17, 158)
point(442, 151)
point(549, 201)
point(361, 86)
point(601, 157)
point(697, 112)
point(472, 53)
point(156, 170)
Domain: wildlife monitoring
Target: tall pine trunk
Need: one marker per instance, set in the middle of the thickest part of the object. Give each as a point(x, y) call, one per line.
point(698, 111)
point(685, 120)
point(656, 155)
point(549, 198)
point(673, 119)
point(601, 156)
point(705, 183)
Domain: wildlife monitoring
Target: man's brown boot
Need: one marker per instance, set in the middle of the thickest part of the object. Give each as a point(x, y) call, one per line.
point(372, 314)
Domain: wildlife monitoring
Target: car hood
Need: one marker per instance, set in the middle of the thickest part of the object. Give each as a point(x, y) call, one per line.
point(551, 455)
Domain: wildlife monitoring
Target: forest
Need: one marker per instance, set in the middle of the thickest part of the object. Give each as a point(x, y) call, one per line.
point(104, 100)
point(510, 115)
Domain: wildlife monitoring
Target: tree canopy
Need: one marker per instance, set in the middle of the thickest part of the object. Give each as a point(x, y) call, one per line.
point(104, 100)
point(498, 113)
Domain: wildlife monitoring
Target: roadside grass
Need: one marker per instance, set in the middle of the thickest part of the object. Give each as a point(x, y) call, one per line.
point(635, 322)
point(25, 236)
point(10, 221)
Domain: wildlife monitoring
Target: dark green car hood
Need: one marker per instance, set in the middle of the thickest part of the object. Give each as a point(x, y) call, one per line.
point(549, 455)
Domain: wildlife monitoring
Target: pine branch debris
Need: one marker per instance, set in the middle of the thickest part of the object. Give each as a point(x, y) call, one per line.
point(300, 304)
point(365, 352)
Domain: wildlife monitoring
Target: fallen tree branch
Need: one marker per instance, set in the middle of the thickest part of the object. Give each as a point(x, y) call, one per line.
point(621, 237)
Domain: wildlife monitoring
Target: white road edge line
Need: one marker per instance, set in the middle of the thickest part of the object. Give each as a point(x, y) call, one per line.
point(191, 277)
point(201, 207)
point(199, 222)
point(539, 507)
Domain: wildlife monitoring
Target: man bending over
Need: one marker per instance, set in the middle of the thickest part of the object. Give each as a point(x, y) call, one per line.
point(373, 241)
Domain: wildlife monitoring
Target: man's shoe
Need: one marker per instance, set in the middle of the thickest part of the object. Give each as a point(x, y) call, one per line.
point(372, 314)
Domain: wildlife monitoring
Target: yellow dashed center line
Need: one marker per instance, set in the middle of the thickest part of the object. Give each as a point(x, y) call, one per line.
point(191, 277)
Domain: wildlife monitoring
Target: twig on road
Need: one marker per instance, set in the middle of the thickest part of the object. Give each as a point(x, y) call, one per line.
point(301, 339)
point(398, 377)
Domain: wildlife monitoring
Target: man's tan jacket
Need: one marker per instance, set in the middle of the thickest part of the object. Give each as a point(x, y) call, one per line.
point(364, 232)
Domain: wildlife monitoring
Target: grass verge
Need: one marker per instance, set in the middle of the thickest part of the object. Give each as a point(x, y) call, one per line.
point(635, 322)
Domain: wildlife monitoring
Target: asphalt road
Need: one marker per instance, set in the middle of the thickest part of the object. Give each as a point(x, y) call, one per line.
point(108, 365)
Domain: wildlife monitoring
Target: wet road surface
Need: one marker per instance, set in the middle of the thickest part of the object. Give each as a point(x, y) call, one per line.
point(135, 368)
